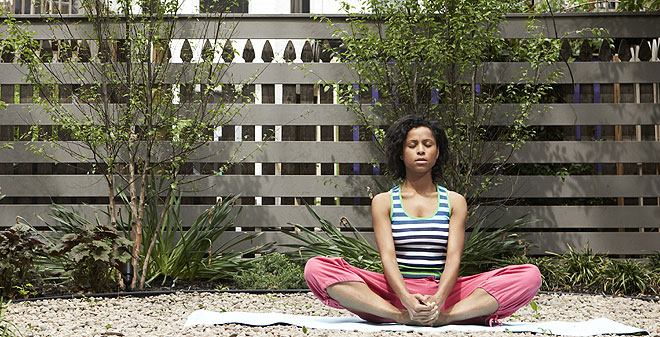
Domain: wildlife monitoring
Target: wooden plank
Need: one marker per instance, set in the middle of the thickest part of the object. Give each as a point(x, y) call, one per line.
point(262, 216)
point(335, 114)
point(309, 73)
point(553, 217)
point(357, 152)
point(341, 186)
point(615, 243)
point(302, 26)
point(601, 186)
point(212, 186)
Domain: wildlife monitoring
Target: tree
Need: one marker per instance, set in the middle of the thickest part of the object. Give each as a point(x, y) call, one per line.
point(134, 113)
point(432, 58)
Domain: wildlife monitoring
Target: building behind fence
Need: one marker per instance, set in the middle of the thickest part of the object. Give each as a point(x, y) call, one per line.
point(605, 134)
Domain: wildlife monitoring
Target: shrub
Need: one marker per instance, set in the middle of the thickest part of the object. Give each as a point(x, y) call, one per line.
point(273, 271)
point(89, 253)
point(195, 252)
point(487, 245)
point(582, 268)
point(356, 250)
point(19, 247)
point(624, 277)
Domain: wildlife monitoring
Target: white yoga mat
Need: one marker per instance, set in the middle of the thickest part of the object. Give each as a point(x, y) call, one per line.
point(592, 327)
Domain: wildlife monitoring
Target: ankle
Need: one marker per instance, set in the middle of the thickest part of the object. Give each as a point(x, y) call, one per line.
point(443, 319)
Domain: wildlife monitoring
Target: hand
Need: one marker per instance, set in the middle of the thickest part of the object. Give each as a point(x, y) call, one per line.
point(421, 308)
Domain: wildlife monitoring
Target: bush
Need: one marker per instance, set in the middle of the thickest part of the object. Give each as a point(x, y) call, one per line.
point(624, 277)
point(273, 271)
point(89, 253)
point(19, 247)
point(582, 268)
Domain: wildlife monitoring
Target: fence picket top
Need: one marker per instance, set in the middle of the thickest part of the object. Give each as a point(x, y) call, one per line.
point(228, 52)
point(624, 51)
point(267, 54)
point(8, 53)
point(644, 51)
point(289, 52)
point(307, 55)
point(605, 52)
point(84, 51)
point(186, 52)
point(586, 52)
point(64, 50)
point(248, 52)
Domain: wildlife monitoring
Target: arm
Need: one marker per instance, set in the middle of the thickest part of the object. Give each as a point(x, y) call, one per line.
point(454, 247)
point(380, 213)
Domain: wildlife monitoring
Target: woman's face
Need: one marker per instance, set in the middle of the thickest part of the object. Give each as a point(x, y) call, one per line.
point(420, 150)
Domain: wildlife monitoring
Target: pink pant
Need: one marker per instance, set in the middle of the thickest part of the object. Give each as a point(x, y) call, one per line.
point(512, 286)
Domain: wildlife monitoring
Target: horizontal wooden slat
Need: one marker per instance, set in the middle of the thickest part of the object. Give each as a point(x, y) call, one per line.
point(219, 152)
point(603, 186)
point(265, 186)
point(587, 152)
point(582, 25)
point(311, 73)
point(583, 114)
point(552, 217)
point(336, 114)
point(605, 243)
point(544, 217)
point(540, 152)
point(302, 26)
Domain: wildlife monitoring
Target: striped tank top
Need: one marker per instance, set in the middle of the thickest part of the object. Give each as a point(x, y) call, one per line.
point(420, 243)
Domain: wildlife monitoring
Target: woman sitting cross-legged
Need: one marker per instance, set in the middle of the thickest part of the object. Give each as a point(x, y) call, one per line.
point(420, 231)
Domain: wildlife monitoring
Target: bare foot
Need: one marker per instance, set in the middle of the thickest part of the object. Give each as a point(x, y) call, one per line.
point(404, 318)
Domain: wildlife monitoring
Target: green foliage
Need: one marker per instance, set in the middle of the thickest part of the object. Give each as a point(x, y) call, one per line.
point(194, 252)
point(654, 261)
point(273, 271)
point(638, 5)
point(128, 120)
point(487, 244)
point(589, 272)
point(20, 246)
point(90, 253)
point(582, 268)
point(624, 277)
point(429, 58)
point(355, 249)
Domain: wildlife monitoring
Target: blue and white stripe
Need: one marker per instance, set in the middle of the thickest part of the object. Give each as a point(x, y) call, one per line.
point(420, 243)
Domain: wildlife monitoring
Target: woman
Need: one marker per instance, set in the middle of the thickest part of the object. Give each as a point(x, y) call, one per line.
point(420, 231)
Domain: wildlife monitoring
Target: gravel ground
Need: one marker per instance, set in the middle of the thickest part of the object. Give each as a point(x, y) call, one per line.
point(164, 315)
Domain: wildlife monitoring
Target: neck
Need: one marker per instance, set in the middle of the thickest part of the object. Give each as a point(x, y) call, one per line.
point(420, 184)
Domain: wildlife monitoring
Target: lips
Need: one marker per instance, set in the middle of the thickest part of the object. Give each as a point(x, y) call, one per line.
point(420, 159)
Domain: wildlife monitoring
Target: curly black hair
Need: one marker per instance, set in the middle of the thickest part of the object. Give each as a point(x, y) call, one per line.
point(396, 136)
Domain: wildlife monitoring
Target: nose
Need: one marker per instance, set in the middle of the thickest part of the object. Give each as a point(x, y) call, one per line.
point(420, 149)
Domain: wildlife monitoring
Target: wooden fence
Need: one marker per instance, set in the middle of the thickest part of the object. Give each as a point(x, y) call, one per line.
point(607, 122)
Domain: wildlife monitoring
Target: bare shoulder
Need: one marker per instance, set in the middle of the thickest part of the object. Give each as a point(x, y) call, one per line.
point(457, 202)
point(381, 201)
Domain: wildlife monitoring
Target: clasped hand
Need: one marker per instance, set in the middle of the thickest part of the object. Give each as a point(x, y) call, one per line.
point(422, 309)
